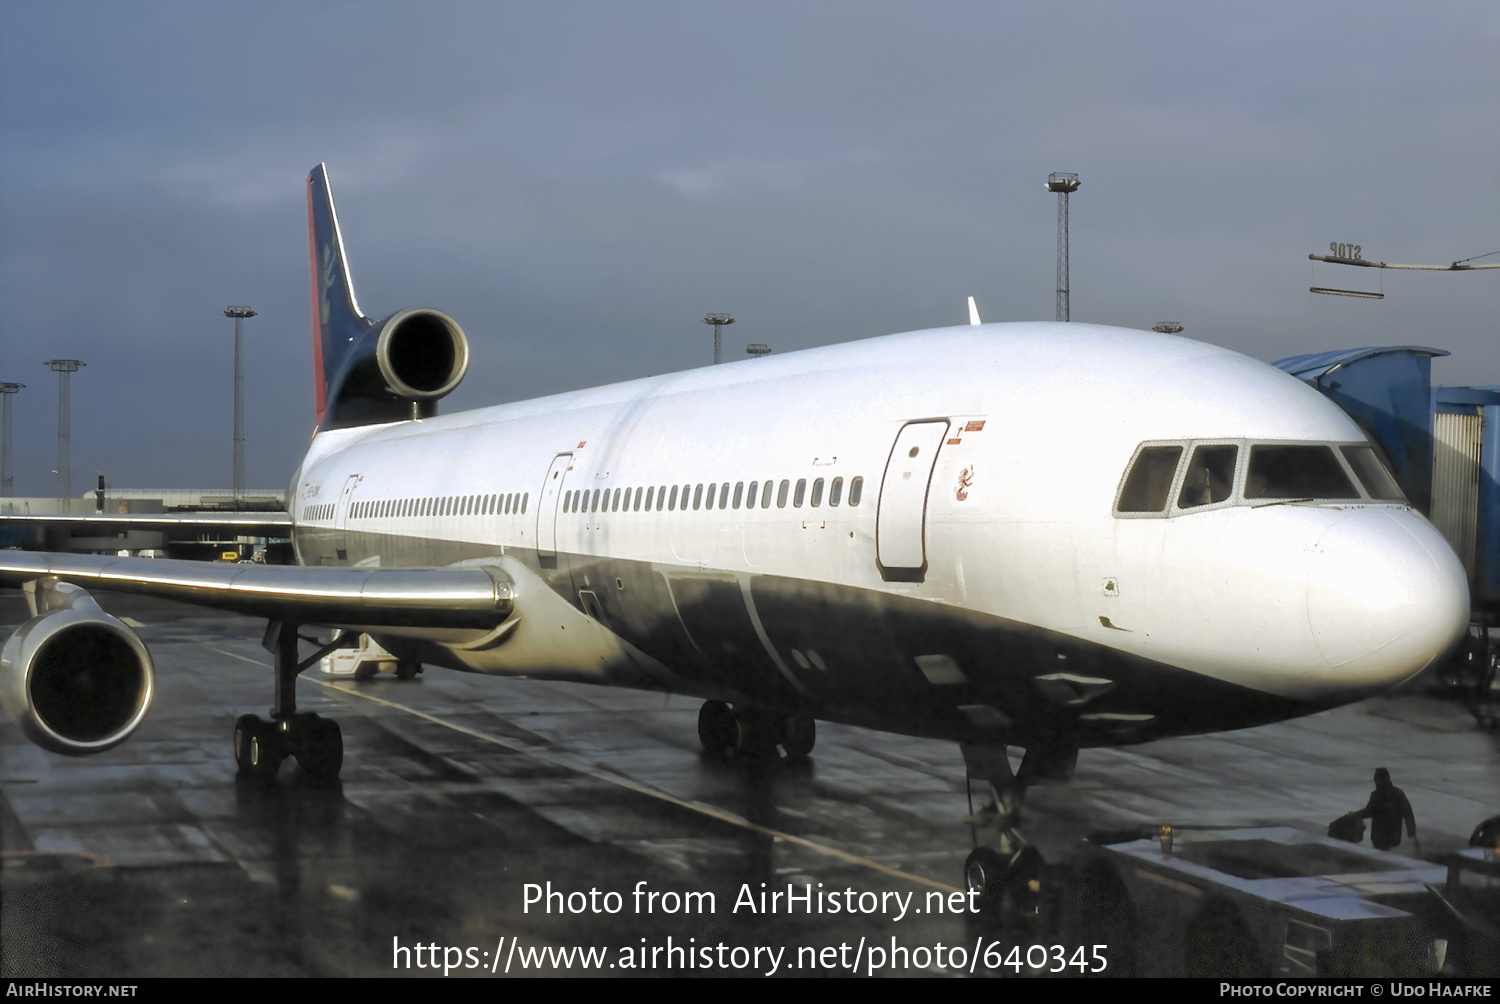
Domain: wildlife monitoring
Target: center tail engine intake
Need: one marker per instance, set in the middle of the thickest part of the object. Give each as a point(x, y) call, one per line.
point(73, 678)
point(371, 371)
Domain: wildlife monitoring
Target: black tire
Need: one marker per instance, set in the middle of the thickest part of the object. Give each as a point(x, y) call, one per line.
point(799, 734)
point(718, 728)
point(321, 749)
point(264, 751)
point(984, 875)
point(366, 671)
point(760, 732)
point(244, 727)
point(406, 669)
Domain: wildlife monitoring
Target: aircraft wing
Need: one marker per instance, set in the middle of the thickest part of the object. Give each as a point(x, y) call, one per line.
point(458, 597)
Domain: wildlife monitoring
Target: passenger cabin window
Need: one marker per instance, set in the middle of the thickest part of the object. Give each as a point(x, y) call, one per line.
point(1210, 476)
point(1150, 480)
point(1373, 474)
point(1294, 472)
point(835, 491)
point(782, 492)
point(856, 489)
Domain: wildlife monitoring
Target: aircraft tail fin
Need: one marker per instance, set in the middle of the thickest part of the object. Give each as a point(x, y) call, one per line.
point(336, 318)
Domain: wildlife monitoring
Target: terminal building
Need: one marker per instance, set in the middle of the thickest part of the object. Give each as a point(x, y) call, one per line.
point(184, 526)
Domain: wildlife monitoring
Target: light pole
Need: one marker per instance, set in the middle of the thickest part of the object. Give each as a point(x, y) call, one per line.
point(7, 476)
point(1062, 183)
point(239, 314)
point(64, 368)
point(718, 321)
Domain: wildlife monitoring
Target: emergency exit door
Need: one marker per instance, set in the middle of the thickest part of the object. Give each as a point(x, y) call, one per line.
point(901, 520)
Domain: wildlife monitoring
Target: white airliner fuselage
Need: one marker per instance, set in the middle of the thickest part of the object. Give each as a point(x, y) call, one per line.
point(1045, 535)
point(922, 533)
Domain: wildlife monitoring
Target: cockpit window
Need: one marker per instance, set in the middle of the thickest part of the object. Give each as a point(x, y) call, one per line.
point(1210, 476)
point(1288, 472)
point(1150, 481)
point(1373, 474)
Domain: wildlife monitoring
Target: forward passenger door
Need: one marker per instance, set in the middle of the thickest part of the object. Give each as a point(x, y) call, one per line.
point(548, 501)
point(901, 519)
point(341, 515)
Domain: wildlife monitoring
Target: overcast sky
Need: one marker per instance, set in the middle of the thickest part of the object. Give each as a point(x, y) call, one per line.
point(578, 183)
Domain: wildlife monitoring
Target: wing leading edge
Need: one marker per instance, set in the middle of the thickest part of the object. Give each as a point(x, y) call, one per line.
point(254, 524)
point(456, 597)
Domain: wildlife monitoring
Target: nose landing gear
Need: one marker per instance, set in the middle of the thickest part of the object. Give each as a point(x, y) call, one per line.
point(1007, 876)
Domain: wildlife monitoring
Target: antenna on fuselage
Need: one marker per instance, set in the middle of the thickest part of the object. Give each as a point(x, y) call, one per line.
point(973, 312)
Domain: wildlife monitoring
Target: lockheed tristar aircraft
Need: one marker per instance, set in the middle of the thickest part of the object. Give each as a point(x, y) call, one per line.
point(1048, 536)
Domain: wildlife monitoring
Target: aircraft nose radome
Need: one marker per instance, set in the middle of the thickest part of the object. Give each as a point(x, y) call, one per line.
point(1385, 596)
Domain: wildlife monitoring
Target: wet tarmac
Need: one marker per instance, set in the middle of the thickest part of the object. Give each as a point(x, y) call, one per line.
point(463, 796)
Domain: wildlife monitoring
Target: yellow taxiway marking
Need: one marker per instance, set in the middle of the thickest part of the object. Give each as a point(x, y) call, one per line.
point(581, 767)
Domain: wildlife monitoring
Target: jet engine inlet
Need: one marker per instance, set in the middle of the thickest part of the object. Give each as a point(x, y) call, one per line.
point(73, 678)
point(422, 354)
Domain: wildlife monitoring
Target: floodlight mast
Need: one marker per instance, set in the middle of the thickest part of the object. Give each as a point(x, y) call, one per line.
point(1063, 183)
point(7, 475)
point(718, 321)
point(239, 314)
point(64, 368)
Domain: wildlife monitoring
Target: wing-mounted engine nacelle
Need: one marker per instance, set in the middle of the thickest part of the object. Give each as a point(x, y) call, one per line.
point(75, 679)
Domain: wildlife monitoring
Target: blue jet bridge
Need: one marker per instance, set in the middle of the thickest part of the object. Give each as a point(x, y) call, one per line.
point(1443, 444)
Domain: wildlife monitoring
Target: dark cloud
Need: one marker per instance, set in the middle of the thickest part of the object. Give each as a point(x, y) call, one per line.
point(578, 183)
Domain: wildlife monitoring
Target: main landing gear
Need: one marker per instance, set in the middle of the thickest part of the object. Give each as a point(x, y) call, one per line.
point(315, 742)
point(753, 731)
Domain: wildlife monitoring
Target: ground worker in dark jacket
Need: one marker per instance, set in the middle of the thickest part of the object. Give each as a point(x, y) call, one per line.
point(1386, 811)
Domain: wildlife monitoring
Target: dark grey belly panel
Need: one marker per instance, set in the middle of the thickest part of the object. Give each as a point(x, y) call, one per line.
point(857, 655)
